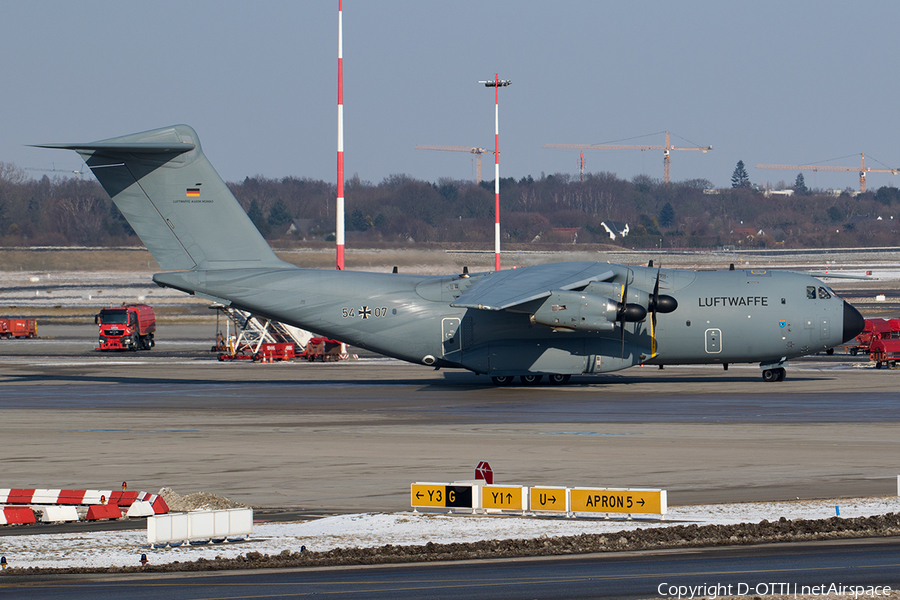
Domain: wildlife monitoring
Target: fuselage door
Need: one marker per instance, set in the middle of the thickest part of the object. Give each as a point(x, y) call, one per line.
point(713, 341)
point(450, 332)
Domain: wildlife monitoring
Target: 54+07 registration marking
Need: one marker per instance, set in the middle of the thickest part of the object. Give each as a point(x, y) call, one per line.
point(364, 312)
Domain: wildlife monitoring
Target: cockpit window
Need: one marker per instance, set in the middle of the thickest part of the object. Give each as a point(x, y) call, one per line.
point(824, 294)
point(811, 292)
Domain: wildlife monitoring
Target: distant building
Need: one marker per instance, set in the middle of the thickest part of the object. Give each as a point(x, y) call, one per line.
point(779, 193)
point(567, 233)
point(615, 229)
point(748, 234)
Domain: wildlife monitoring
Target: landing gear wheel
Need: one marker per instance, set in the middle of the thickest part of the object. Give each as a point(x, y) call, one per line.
point(557, 379)
point(502, 379)
point(531, 379)
point(830, 352)
point(770, 375)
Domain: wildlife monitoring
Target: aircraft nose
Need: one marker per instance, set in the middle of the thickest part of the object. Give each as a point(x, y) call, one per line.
point(853, 322)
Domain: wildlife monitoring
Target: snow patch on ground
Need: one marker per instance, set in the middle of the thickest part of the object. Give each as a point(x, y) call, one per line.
point(124, 548)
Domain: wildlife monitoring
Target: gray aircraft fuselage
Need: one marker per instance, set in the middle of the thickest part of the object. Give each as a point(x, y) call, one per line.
point(554, 319)
point(722, 317)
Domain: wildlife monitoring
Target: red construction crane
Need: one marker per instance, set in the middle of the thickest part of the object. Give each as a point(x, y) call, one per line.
point(862, 170)
point(666, 150)
point(470, 149)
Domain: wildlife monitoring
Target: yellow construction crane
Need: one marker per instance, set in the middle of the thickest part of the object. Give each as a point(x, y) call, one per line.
point(666, 150)
point(862, 170)
point(470, 149)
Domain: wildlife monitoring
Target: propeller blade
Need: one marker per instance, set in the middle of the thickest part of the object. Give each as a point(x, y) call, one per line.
point(623, 309)
point(654, 302)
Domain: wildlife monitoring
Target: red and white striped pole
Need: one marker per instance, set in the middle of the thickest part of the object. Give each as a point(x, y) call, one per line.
point(496, 83)
point(339, 213)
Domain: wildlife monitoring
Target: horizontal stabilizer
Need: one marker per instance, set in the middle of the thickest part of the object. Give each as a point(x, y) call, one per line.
point(504, 289)
point(132, 148)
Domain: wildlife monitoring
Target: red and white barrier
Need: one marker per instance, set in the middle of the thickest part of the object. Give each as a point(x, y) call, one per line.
point(81, 498)
point(16, 516)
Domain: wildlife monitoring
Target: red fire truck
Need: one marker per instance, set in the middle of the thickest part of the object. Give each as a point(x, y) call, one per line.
point(128, 327)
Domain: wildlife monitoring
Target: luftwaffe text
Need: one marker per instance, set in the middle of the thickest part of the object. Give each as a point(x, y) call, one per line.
point(734, 301)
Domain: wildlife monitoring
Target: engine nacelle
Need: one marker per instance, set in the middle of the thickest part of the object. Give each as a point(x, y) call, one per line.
point(634, 308)
point(636, 296)
point(578, 311)
point(614, 290)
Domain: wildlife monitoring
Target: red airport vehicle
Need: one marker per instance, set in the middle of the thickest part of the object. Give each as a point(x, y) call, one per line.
point(268, 352)
point(18, 328)
point(885, 353)
point(875, 329)
point(278, 351)
point(323, 349)
point(128, 327)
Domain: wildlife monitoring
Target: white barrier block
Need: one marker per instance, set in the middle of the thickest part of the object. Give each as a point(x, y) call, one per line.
point(56, 514)
point(93, 496)
point(45, 496)
point(222, 525)
point(203, 525)
point(241, 521)
point(200, 525)
point(181, 527)
point(159, 529)
point(3, 518)
point(4, 493)
point(140, 508)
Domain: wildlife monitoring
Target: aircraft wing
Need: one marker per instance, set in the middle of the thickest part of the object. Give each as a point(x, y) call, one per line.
point(503, 289)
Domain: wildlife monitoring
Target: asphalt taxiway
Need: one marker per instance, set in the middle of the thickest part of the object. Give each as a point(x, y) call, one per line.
point(352, 436)
point(774, 570)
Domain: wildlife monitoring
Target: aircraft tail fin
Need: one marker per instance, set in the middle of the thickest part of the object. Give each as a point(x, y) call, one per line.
point(175, 201)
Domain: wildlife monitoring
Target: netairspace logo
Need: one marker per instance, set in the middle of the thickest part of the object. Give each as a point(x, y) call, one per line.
point(716, 590)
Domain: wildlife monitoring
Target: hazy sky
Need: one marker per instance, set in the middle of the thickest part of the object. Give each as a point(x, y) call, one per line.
point(762, 82)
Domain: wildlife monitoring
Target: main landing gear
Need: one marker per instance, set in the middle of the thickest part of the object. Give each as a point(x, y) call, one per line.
point(773, 374)
point(554, 379)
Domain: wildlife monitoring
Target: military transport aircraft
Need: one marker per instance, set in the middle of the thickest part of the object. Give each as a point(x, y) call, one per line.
point(554, 320)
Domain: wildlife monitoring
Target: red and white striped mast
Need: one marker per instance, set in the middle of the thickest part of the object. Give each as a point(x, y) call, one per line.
point(496, 83)
point(339, 213)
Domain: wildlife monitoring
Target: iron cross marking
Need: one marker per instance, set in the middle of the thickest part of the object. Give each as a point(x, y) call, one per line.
point(364, 312)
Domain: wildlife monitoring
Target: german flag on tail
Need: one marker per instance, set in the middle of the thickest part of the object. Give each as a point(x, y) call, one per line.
point(192, 192)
